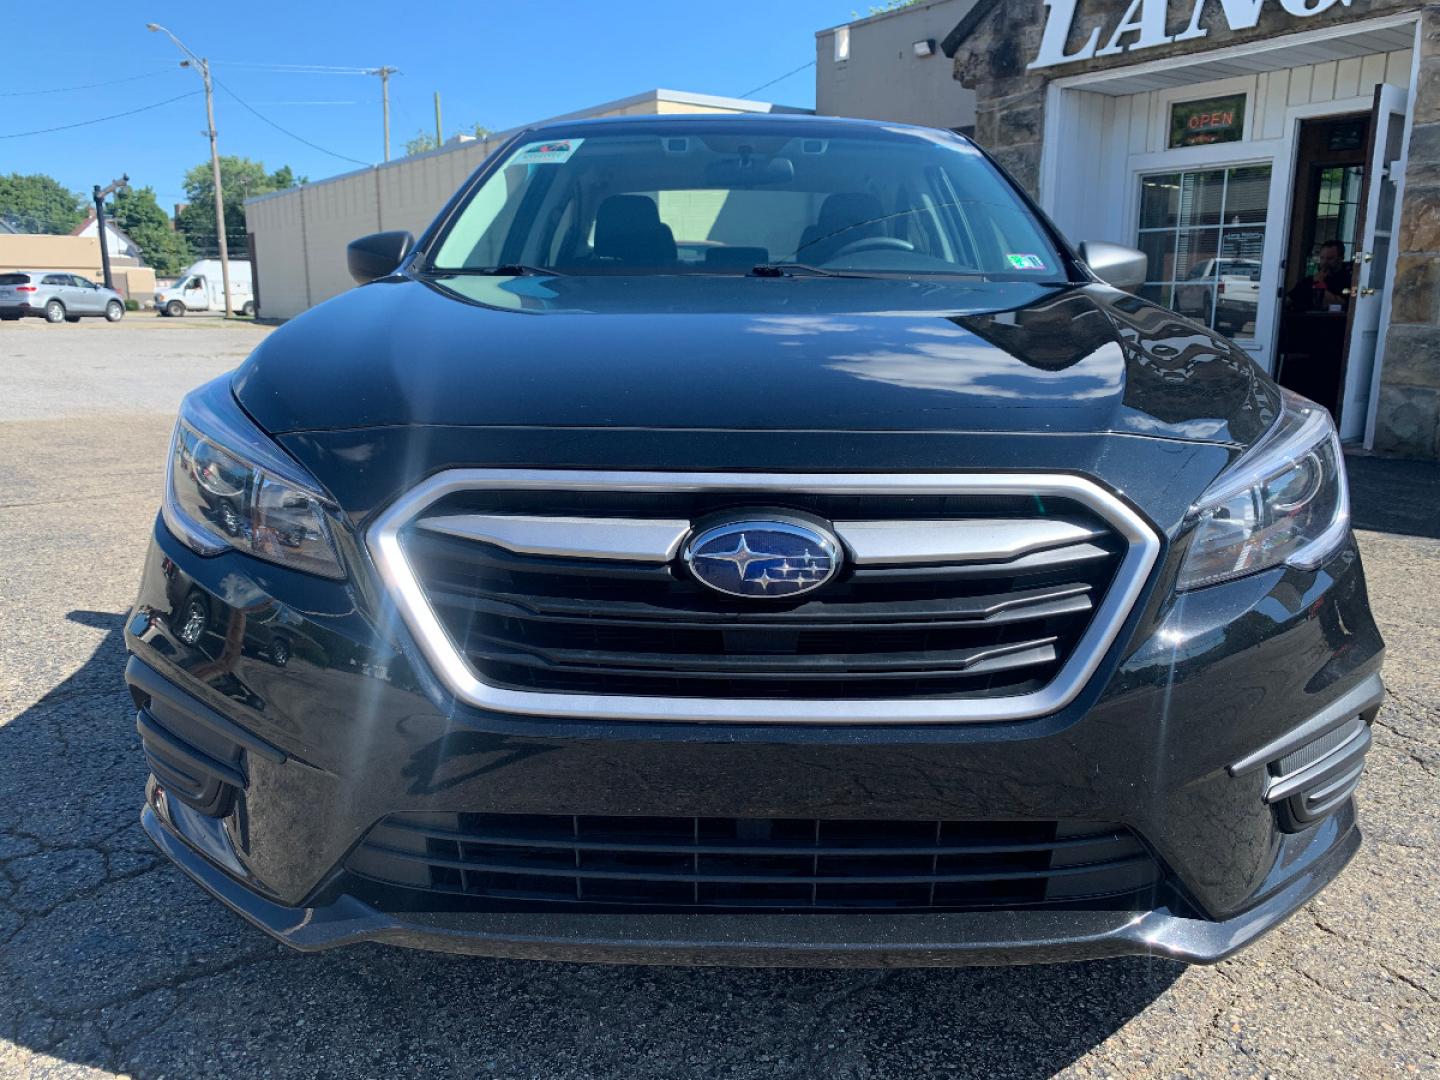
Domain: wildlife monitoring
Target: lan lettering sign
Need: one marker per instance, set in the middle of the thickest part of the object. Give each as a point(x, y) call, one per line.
point(1214, 120)
point(1147, 24)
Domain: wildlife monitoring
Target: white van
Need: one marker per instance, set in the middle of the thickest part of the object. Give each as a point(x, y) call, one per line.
point(200, 288)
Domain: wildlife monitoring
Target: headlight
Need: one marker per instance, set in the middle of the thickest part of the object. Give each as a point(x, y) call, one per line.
point(1285, 502)
point(228, 487)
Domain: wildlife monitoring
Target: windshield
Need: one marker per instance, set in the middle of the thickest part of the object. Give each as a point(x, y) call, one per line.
point(684, 199)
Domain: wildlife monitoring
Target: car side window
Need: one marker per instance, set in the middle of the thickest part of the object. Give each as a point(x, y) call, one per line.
point(56, 279)
point(84, 283)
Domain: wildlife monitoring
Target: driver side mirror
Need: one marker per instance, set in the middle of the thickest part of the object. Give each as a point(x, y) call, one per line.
point(378, 254)
point(1115, 264)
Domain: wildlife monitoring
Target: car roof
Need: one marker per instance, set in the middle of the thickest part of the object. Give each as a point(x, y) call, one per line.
point(801, 123)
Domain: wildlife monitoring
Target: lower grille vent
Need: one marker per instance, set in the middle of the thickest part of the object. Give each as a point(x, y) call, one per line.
point(750, 864)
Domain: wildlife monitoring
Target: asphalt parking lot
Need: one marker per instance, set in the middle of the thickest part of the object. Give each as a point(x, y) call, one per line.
point(112, 963)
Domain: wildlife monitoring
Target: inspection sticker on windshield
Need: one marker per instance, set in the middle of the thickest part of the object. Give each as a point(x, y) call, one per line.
point(553, 152)
point(1026, 262)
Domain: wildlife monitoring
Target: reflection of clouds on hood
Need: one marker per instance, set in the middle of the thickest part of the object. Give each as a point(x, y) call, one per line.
point(947, 331)
point(1170, 348)
point(799, 325)
point(1188, 429)
point(986, 372)
point(240, 592)
point(359, 454)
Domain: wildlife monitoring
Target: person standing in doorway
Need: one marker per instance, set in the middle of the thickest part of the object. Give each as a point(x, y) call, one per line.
point(1328, 289)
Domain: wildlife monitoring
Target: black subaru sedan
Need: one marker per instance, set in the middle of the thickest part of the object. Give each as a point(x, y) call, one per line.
point(753, 541)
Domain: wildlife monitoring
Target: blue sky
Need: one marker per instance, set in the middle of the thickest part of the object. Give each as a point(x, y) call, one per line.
point(500, 64)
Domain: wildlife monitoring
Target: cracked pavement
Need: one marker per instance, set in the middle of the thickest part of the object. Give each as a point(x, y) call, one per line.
point(112, 963)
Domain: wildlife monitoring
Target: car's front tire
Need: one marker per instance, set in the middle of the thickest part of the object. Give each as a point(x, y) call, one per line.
point(114, 311)
point(248, 310)
point(175, 309)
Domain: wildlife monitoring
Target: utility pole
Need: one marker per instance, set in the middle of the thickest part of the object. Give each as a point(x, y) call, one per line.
point(439, 131)
point(385, 73)
point(204, 68)
point(100, 195)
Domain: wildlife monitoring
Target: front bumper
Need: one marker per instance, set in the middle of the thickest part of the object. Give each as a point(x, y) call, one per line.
point(332, 727)
point(961, 939)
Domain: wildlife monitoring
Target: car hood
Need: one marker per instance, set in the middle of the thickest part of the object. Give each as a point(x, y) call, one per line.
point(743, 353)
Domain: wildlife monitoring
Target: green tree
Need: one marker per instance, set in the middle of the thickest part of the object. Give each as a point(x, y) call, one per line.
point(423, 141)
point(137, 211)
point(40, 203)
point(888, 6)
point(241, 178)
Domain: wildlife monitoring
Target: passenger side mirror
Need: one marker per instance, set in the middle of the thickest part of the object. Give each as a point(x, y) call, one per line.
point(378, 254)
point(1115, 264)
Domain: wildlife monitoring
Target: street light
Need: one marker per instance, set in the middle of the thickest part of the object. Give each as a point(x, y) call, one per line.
point(204, 66)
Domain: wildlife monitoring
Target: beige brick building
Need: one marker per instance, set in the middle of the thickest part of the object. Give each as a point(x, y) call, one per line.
point(74, 255)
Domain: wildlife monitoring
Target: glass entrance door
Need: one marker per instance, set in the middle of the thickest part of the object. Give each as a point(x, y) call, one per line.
point(1204, 233)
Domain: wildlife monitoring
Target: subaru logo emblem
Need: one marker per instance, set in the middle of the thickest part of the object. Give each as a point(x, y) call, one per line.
point(759, 558)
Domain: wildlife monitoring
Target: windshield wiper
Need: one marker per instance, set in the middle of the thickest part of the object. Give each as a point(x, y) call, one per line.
point(505, 270)
point(791, 269)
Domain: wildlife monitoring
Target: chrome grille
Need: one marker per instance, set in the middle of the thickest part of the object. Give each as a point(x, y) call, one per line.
point(962, 597)
point(596, 626)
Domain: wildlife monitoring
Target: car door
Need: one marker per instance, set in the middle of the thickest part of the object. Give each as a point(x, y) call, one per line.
point(55, 287)
point(87, 296)
point(195, 294)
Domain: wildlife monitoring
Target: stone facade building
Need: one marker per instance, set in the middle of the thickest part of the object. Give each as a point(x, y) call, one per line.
point(1234, 140)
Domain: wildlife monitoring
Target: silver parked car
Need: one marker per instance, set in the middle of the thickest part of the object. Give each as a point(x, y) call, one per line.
point(56, 297)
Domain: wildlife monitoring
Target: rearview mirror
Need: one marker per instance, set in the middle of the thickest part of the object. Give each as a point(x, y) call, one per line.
point(749, 171)
point(1115, 264)
point(378, 254)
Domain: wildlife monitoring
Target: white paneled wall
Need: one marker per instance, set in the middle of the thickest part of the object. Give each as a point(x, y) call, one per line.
point(300, 235)
point(279, 231)
point(1104, 139)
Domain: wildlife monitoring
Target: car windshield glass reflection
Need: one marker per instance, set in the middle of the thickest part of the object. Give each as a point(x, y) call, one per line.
point(762, 202)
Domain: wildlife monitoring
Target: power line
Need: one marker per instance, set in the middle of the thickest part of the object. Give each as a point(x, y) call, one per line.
point(287, 131)
point(84, 86)
point(782, 78)
point(100, 119)
point(294, 69)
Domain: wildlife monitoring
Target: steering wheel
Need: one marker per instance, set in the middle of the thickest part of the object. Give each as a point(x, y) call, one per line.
point(873, 243)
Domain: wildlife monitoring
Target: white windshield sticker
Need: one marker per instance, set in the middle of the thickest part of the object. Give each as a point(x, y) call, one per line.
point(1026, 262)
point(551, 152)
